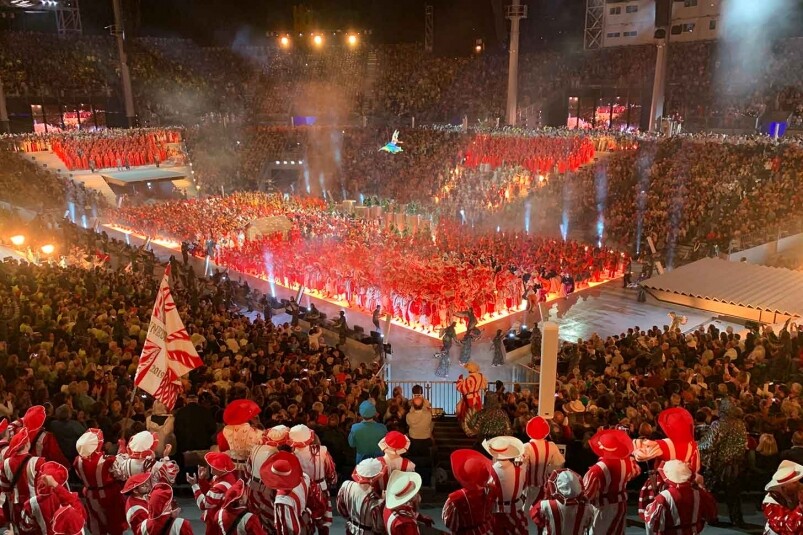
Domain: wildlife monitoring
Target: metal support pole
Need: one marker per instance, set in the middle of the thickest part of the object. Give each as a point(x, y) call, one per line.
point(125, 76)
point(515, 13)
point(5, 124)
point(659, 83)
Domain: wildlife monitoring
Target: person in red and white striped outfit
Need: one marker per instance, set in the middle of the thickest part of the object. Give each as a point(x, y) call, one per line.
point(209, 494)
point(260, 497)
point(283, 473)
point(69, 520)
point(136, 505)
point(319, 466)
point(163, 518)
point(359, 501)
point(401, 504)
point(683, 507)
point(510, 479)
point(104, 502)
point(51, 494)
point(542, 456)
point(606, 481)
point(468, 511)
point(394, 445)
point(18, 476)
point(783, 504)
point(233, 517)
point(565, 509)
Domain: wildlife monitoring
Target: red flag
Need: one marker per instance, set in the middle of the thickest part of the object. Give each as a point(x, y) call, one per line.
point(168, 353)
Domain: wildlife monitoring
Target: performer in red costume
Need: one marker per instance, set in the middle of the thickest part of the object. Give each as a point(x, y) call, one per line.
point(542, 457)
point(401, 504)
point(18, 477)
point(233, 518)
point(360, 502)
point(51, 494)
point(606, 481)
point(468, 511)
point(163, 517)
point(683, 507)
point(319, 466)
point(510, 479)
point(678, 425)
point(209, 494)
point(104, 502)
point(43, 443)
point(565, 509)
point(394, 445)
point(136, 506)
point(783, 504)
point(69, 520)
point(283, 473)
point(238, 437)
point(260, 497)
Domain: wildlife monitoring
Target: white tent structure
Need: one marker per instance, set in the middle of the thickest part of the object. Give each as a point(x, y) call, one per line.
point(737, 289)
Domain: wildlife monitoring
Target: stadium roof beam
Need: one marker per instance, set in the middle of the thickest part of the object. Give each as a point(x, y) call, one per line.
point(595, 22)
point(68, 12)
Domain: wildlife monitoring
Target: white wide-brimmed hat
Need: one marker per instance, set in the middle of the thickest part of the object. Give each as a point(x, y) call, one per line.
point(787, 472)
point(402, 487)
point(502, 448)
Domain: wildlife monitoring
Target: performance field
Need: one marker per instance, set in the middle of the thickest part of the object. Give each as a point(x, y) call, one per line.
point(538, 273)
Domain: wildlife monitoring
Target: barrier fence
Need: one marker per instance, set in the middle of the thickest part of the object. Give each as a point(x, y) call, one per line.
point(444, 394)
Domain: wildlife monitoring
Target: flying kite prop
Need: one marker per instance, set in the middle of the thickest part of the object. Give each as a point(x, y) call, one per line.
point(393, 145)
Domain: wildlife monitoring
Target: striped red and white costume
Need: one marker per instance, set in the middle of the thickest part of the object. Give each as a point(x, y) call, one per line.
point(781, 519)
point(361, 506)
point(605, 486)
point(238, 521)
point(166, 526)
point(471, 388)
point(38, 511)
point(661, 451)
point(680, 509)
point(392, 462)
point(322, 473)
point(209, 498)
point(45, 445)
point(290, 510)
point(542, 458)
point(136, 511)
point(17, 482)
point(237, 441)
point(401, 521)
point(104, 503)
point(510, 479)
point(468, 512)
point(563, 517)
point(260, 497)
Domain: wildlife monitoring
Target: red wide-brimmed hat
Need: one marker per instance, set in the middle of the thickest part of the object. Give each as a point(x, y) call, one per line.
point(34, 419)
point(219, 461)
point(240, 411)
point(611, 444)
point(395, 442)
point(19, 441)
point(135, 481)
point(69, 520)
point(537, 428)
point(282, 471)
point(470, 468)
point(677, 423)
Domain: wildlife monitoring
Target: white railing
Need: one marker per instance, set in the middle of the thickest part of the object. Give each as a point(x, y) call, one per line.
point(444, 394)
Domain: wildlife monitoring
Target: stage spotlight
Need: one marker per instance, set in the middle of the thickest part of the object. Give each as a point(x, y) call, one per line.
point(284, 41)
point(18, 240)
point(352, 40)
point(317, 40)
point(48, 249)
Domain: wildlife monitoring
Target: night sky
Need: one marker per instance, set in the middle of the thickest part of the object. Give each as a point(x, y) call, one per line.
point(552, 23)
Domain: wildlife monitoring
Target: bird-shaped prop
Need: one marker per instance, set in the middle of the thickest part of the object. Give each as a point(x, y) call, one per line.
point(393, 145)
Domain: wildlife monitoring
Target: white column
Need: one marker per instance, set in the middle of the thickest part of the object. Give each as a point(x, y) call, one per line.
point(513, 64)
point(659, 84)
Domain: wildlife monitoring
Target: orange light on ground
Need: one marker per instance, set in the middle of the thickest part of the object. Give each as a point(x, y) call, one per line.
point(18, 240)
point(317, 40)
point(284, 41)
point(352, 40)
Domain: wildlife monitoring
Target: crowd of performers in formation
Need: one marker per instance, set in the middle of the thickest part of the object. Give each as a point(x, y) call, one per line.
point(422, 278)
point(282, 481)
